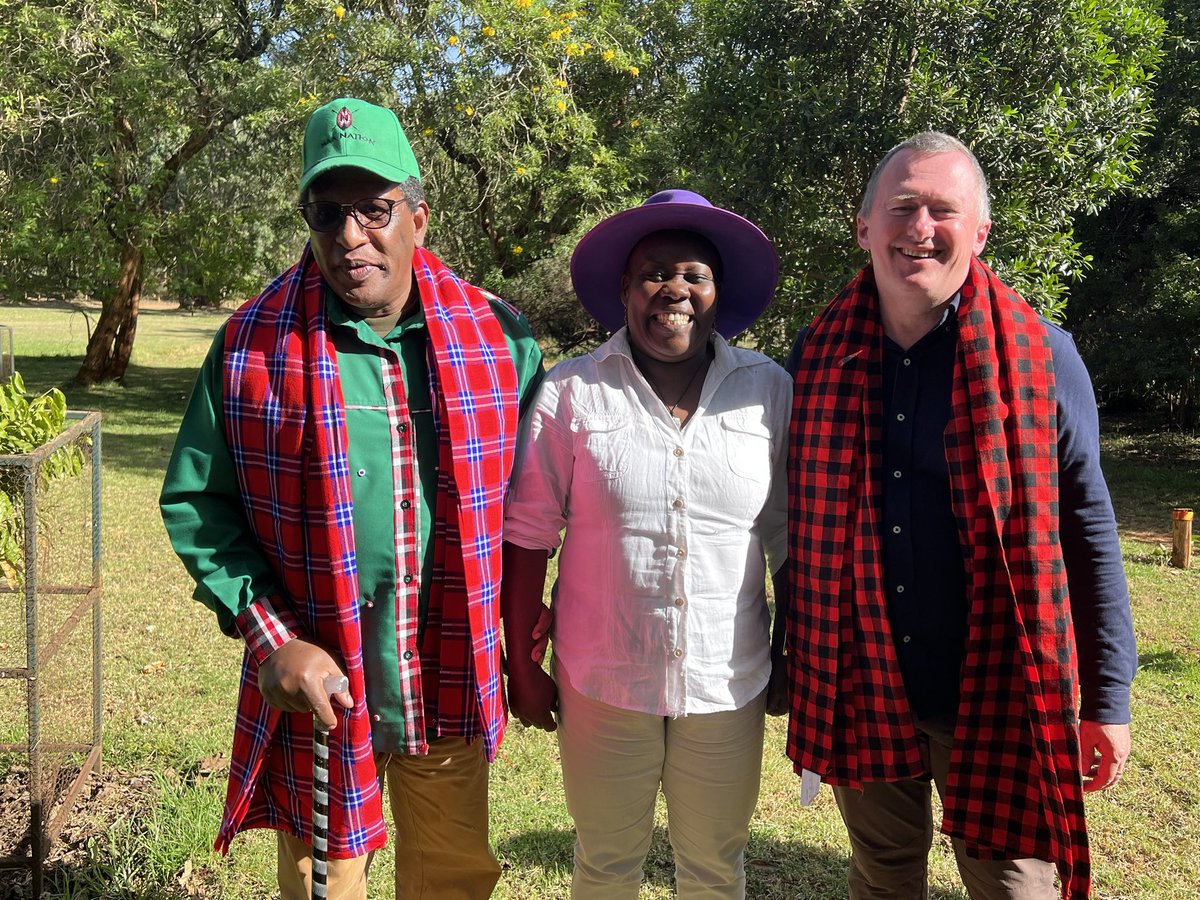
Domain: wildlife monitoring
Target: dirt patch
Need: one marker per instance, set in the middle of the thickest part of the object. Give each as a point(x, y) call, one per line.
point(107, 799)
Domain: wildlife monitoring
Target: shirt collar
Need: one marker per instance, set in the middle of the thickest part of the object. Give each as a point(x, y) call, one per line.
point(724, 359)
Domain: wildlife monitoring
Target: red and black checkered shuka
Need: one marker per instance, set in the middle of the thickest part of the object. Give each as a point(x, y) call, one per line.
point(1014, 788)
point(286, 431)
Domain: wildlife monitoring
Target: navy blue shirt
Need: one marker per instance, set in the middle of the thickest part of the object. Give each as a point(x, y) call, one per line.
point(923, 567)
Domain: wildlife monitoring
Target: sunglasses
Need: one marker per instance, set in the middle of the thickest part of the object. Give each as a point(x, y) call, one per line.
point(369, 212)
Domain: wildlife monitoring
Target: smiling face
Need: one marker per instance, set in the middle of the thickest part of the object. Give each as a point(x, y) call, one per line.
point(923, 228)
point(670, 294)
point(369, 268)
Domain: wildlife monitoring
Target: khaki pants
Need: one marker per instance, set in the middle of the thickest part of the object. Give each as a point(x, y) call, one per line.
point(439, 805)
point(891, 831)
point(614, 761)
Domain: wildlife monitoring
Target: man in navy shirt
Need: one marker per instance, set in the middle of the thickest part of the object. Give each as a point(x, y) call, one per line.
point(958, 608)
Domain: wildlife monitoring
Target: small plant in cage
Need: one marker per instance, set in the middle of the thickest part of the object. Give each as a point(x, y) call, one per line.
point(25, 424)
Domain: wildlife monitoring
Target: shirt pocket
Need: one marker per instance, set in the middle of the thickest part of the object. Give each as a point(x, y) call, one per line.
point(602, 448)
point(747, 447)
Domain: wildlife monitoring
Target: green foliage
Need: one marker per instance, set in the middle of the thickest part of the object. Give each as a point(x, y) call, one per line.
point(1137, 316)
point(25, 425)
point(798, 100)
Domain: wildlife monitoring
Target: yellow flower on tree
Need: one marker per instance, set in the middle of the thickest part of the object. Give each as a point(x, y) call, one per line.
point(558, 82)
point(517, 249)
point(452, 40)
point(488, 31)
point(556, 34)
point(635, 71)
point(470, 110)
point(524, 4)
point(427, 132)
point(54, 179)
point(608, 55)
point(562, 107)
point(634, 124)
point(520, 170)
point(573, 50)
point(339, 11)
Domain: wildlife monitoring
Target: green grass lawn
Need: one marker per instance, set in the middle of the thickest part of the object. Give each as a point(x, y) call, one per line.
point(170, 682)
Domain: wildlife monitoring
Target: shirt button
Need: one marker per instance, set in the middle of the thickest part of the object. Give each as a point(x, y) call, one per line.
point(370, 604)
point(362, 472)
point(899, 417)
point(408, 578)
point(678, 451)
point(899, 589)
point(408, 654)
point(678, 504)
point(681, 553)
point(895, 529)
point(907, 639)
point(375, 718)
point(404, 504)
point(677, 653)
point(402, 427)
point(896, 474)
point(908, 362)
point(679, 601)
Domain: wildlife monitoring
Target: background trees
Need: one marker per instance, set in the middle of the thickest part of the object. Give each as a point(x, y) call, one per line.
point(155, 145)
point(800, 99)
point(1137, 315)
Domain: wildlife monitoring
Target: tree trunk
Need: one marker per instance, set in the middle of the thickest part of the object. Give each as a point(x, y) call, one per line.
point(111, 343)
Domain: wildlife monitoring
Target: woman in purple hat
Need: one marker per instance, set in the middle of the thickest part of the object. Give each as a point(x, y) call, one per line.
point(661, 456)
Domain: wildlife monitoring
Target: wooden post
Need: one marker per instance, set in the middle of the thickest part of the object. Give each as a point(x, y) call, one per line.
point(1181, 538)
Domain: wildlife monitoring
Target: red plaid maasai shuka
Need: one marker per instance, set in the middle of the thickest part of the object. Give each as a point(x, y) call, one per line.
point(286, 430)
point(1015, 786)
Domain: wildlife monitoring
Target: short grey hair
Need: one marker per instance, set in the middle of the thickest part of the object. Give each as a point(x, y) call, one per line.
point(929, 143)
point(414, 194)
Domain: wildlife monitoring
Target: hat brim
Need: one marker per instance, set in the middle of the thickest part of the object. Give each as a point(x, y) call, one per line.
point(749, 260)
point(394, 174)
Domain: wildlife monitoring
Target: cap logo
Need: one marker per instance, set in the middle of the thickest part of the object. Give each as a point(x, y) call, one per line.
point(344, 119)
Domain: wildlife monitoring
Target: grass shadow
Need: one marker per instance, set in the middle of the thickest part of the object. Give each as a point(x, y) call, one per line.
point(775, 870)
point(1168, 662)
point(141, 414)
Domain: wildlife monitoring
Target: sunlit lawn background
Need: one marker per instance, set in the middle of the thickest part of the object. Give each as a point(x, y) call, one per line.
point(170, 681)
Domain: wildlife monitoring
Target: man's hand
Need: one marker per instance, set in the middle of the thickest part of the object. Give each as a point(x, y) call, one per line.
point(532, 696)
point(1104, 750)
point(292, 679)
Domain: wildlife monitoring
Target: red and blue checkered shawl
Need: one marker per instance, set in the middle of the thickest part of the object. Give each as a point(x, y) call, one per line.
point(1014, 789)
point(286, 431)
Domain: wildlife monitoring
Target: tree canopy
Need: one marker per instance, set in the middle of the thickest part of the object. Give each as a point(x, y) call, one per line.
point(155, 145)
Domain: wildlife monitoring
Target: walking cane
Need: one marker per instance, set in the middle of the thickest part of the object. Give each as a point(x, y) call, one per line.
point(320, 793)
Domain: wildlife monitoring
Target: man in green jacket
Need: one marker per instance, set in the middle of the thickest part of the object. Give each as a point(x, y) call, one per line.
point(336, 491)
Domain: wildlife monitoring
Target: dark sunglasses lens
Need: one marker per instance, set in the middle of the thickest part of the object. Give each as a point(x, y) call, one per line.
point(322, 215)
point(373, 213)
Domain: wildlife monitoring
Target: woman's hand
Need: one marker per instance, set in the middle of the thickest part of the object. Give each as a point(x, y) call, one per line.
point(532, 695)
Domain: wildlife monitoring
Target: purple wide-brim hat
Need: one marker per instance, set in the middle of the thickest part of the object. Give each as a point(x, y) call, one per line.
point(751, 266)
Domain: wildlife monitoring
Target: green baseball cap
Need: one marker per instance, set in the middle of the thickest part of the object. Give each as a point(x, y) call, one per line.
point(351, 133)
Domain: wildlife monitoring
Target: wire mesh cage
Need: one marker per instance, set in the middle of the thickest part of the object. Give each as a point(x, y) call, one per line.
point(50, 700)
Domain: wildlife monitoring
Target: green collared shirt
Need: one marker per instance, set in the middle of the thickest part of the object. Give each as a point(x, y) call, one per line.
point(202, 506)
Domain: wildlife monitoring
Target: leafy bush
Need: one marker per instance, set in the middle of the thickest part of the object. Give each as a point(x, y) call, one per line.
point(25, 425)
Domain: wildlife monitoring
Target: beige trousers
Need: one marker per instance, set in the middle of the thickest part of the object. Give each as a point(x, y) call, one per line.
point(891, 832)
point(439, 806)
point(613, 763)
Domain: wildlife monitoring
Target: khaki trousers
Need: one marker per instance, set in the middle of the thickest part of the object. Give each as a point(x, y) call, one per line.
point(614, 761)
point(891, 832)
point(439, 806)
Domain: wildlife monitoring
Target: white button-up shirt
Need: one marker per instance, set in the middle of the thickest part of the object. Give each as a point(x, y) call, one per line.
point(661, 602)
